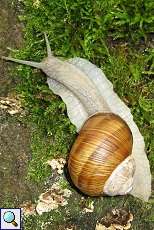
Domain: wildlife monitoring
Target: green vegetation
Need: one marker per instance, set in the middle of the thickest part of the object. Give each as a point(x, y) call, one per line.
point(72, 214)
point(114, 35)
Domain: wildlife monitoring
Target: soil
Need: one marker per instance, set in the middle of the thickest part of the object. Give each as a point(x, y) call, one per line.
point(15, 151)
point(10, 38)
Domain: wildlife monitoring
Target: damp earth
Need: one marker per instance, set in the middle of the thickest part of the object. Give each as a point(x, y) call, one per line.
point(15, 152)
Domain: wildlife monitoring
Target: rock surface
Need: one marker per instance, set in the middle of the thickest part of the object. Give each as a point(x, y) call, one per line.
point(15, 149)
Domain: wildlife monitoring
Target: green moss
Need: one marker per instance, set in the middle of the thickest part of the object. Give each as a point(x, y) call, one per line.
point(73, 214)
point(64, 183)
point(114, 35)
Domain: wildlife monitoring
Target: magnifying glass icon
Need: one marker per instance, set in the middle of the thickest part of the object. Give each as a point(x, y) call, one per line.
point(9, 217)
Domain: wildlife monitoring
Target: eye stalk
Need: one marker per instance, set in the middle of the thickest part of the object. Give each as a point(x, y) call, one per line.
point(32, 63)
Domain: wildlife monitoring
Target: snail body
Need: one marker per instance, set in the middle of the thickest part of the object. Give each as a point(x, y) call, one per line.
point(89, 98)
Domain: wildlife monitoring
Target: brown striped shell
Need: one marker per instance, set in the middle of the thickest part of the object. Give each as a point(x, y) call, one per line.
point(104, 142)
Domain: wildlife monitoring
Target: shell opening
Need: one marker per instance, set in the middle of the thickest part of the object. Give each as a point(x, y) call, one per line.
point(121, 180)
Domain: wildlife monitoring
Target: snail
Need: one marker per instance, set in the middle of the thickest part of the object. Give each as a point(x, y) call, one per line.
point(108, 156)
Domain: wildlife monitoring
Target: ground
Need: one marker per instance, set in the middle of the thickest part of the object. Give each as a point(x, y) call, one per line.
point(123, 49)
point(14, 135)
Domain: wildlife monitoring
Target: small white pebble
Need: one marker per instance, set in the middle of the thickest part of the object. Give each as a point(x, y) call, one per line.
point(67, 193)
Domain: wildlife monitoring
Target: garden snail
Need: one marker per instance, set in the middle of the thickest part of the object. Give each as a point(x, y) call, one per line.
point(90, 99)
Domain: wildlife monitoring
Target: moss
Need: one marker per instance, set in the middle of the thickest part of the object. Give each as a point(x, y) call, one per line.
point(73, 214)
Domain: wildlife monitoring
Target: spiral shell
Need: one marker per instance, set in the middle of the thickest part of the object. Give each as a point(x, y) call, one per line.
point(104, 142)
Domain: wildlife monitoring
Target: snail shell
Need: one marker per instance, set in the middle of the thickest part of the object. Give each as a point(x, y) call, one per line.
point(86, 91)
point(103, 143)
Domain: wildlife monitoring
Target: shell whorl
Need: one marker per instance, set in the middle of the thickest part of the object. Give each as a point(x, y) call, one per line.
point(104, 142)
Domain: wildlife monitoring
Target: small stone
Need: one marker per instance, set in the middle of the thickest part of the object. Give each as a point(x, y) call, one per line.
point(43, 207)
point(28, 208)
point(67, 193)
point(52, 199)
point(86, 210)
point(52, 163)
point(3, 106)
point(128, 226)
point(102, 227)
point(89, 208)
point(12, 112)
point(60, 171)
point(118, 226)
point(69, 228)
point(57, 164)
point(117, 219)
point(11, 105)
point(130, 217)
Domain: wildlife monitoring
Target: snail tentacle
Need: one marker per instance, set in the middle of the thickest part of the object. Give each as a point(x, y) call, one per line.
point(30, 63)
point(49, 52)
